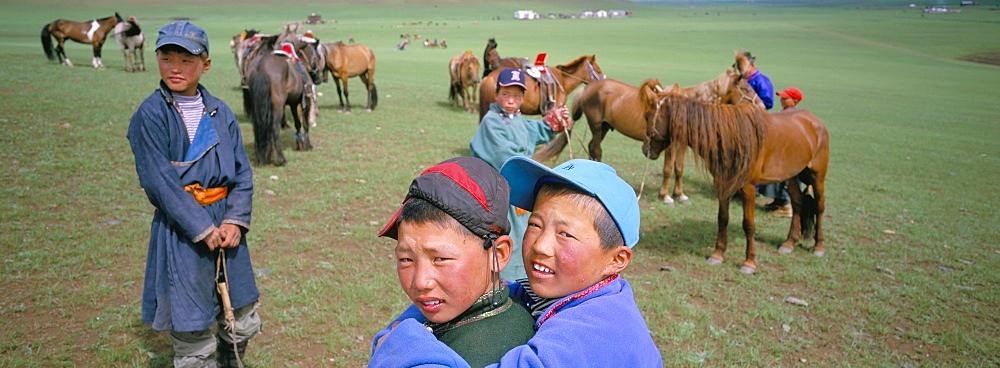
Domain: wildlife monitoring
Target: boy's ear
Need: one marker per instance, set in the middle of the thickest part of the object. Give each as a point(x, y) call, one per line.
point(208, 65)
point(505, 248)
point(620, 258)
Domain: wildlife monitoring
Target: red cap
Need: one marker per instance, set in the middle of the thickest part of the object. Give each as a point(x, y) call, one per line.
point(791, 92)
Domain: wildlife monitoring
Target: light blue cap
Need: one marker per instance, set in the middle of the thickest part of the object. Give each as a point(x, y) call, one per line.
point(595, 178)
point(183, 34)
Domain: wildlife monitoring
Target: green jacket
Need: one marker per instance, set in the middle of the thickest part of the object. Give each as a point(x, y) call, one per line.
point(486, 331)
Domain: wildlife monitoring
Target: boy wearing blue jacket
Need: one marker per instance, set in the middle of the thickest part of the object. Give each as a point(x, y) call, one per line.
point(583, 225)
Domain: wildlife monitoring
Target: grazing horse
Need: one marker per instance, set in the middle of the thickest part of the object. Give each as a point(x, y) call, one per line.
point(131, 40)
point(613, 105)
point(493, 61)
point(344, 61)
point(92, 33)
point(464, 71)
point(277, 80)
point(743, 146)
point(581, 70)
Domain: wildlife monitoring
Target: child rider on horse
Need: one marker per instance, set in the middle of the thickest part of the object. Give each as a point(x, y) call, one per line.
point(191, 163)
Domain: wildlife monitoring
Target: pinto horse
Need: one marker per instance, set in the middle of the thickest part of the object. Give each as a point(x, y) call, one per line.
point(743, 146)
point(131, 40)
point(613, 105)
point(581, 70)
point(493, 60)
point(92, 33)
point(276, 81)
point(464, 71)
point(345, 61)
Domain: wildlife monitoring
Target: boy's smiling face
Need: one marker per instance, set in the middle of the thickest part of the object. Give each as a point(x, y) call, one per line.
point(442, 269)
point(181, 71)
point(562, 248)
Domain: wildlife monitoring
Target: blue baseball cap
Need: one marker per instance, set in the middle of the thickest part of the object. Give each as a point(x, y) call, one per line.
point(511, 77)
point(183, 34)
point(597, 179)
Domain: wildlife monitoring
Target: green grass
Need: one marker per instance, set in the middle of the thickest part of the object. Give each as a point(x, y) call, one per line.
point(914, 167)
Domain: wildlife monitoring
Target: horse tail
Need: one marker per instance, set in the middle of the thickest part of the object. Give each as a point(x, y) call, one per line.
point(247, 103)
point(263, 128)
point(373, 95)
point(808, 214)
point(454, 90)
point(47, 42)
point(550, 152)
point(577, 106)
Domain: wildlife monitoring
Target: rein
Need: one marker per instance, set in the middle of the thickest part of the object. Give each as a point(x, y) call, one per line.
point(590, 68)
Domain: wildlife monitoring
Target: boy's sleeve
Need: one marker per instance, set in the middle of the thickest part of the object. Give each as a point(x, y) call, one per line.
point(239, 203)
point(148, 138)
point(491, 142)
point(542, 133)
point(411, 345)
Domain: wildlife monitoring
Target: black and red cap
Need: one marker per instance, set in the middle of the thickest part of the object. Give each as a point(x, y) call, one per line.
point(467, 189)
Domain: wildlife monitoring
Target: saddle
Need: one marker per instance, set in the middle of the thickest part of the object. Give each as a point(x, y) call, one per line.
point(548, 86)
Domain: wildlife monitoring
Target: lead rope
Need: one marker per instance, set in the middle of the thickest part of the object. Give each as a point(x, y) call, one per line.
point(227, 305)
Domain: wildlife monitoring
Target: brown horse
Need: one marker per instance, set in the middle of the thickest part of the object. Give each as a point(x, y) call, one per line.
point(613, 105)
point(278, 80)
point(464, 71)
point(743, 146)
point(91, 33)
point(493, 61)
point(581, 70)
point(346, 61)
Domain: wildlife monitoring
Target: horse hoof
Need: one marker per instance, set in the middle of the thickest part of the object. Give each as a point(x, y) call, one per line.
point(747, 270)
point(369, 110)
point(785, 250)
point(819, 253)
point(714, 261)
point(684, 199)
point(668, 201)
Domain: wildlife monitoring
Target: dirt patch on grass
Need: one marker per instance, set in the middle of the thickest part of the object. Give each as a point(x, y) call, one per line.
point(991, 58)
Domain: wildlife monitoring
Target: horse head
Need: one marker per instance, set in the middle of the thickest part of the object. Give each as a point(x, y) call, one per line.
point(312, 61)
point(117, 19)
point(649, 99)
point(742, 63)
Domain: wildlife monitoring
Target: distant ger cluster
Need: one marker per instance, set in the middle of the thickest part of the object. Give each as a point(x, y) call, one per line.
point(531, 14)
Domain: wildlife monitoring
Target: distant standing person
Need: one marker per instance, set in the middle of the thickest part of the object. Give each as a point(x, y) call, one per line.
point(759, 82)
point(191, 163)
point(790, 98)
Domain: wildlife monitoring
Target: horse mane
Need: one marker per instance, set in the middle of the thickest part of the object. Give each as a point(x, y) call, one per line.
point(575, 63)
point(727, 139)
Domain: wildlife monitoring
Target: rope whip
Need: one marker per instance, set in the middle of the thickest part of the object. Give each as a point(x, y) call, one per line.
point(227, 305)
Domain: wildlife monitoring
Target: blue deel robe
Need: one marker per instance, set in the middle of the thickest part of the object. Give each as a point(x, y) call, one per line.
point(762, 85)
point(179, 290)
point(601, 329)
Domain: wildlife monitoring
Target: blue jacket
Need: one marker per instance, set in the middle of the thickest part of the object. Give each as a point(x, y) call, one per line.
point(601, 329)
point(762, 85)
point(179, 290)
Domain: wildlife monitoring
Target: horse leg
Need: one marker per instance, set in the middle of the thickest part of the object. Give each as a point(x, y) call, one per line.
point(598, 132)
point(722, 238)
point(97, 55)
point(369, 80)
point(142, 59)
point(342, 94)
point(301, 139)
point(62, 53)
point(278, 120)
point(795, 196)
point(678, 157)
point(748, 192)
point(819, 194)
point(668, 167)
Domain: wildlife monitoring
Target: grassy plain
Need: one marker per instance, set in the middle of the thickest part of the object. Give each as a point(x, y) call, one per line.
point(909, 278)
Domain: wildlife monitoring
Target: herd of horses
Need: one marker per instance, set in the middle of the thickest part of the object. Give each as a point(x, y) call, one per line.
point(722, 121)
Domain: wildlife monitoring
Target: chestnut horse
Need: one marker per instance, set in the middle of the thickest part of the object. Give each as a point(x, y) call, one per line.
point(613, 105)
point(464, 71)
point(345, 61)
point(91, 33)
point(492, 59)
point(581, 70)
point(743, 146)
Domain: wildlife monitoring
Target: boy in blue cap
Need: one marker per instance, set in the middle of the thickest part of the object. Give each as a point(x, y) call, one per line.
point(504, 133)
point(451, 243)
point(191, 163)
point(583, 225)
